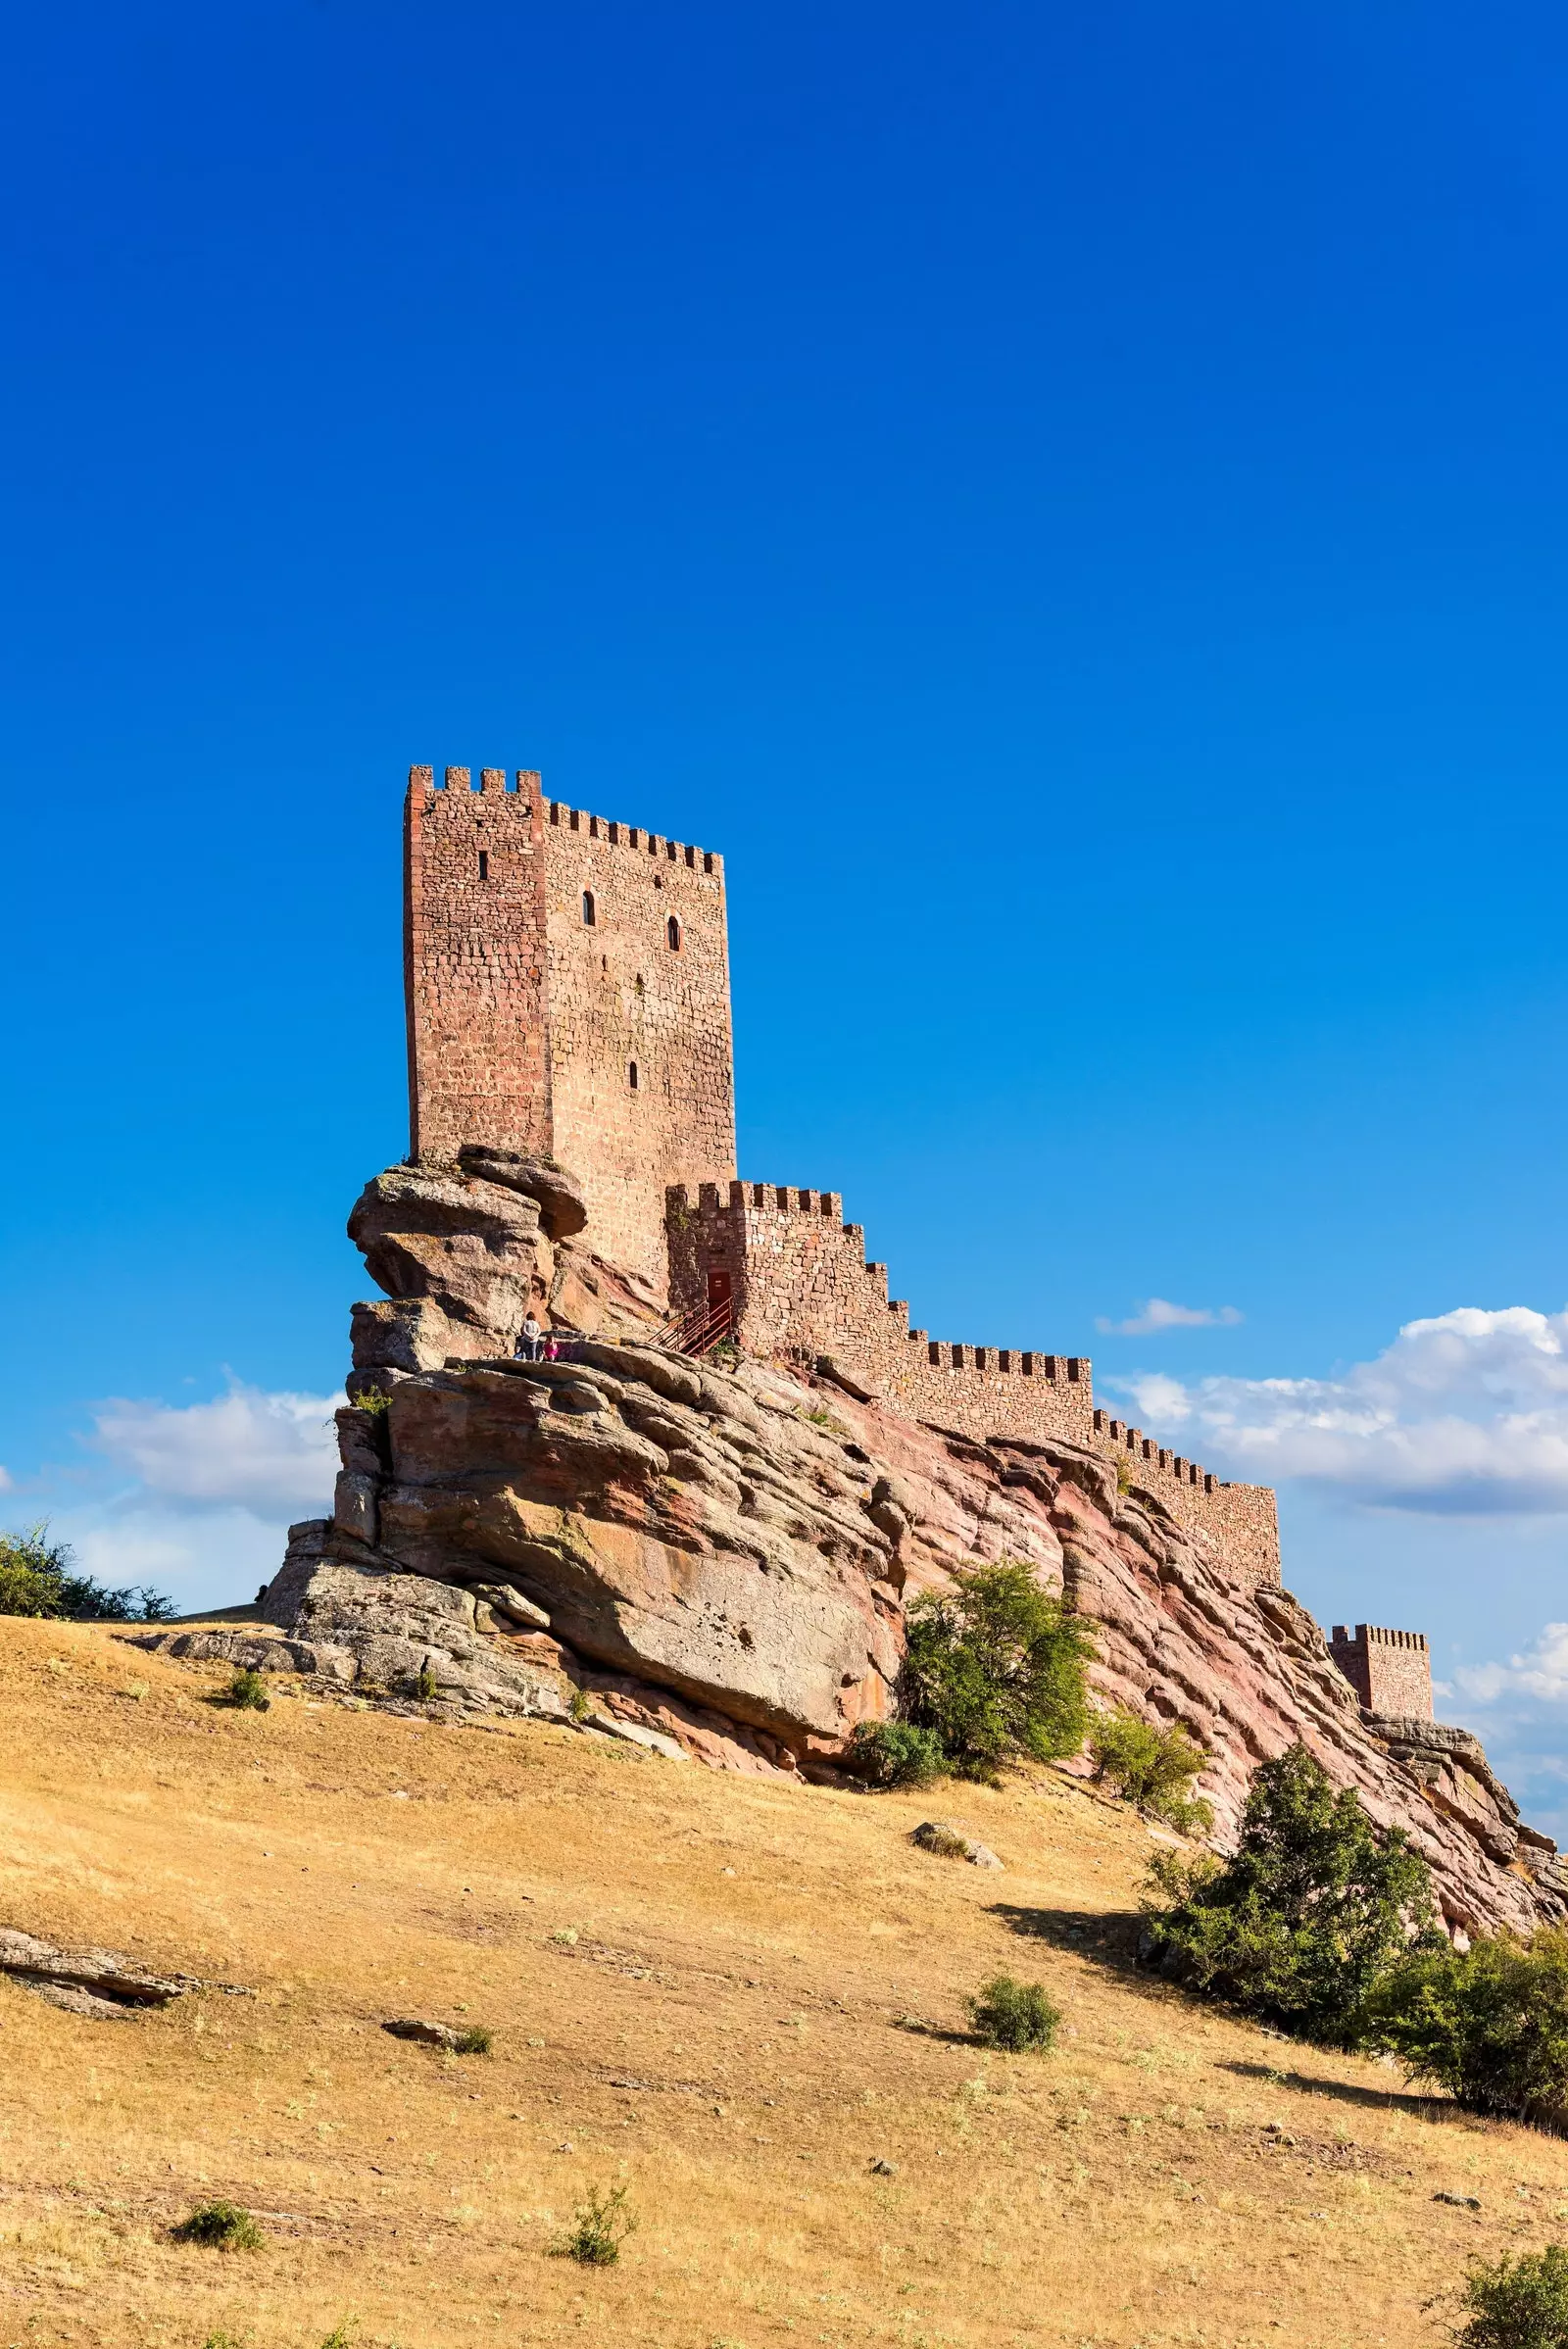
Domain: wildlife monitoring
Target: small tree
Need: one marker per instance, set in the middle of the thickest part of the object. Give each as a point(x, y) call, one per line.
point(1152, 1767)
point(1518, 2304)
point(1304, 1922)
point(1489, 2024)
point(38, 1577)
point(995, 1667)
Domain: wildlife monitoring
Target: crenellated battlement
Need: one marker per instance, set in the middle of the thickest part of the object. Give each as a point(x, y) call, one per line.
point(629, 836)
point(524, 785)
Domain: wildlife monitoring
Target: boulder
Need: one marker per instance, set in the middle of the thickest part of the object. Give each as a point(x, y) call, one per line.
point(557, 1195)
point(476, 1251)
point(951, 1842)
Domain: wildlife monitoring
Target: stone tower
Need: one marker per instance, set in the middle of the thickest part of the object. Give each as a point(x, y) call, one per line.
point(567, 992)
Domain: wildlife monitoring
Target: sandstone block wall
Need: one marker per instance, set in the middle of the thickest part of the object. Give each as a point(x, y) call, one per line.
point(567, 985)
point(474, 918)
point(1389, 1671)
point(1244, 1519)
point(799, 1289)
point(641, 1059)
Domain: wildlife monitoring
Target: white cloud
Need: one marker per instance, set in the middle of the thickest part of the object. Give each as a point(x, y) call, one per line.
point(1541, 1672)
point(1463, 1413)
point(1157, 1313)
point(275, 1455)
point(6, 1480)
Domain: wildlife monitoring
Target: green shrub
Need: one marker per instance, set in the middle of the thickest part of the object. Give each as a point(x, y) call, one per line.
point(599, 2227)
point(247, 1691)
point(1016, 2015)
point(1519, 2304)
point(424, 1685)
point(374, 1401)
point(476, 2040)
point(38, 1577)
point(1307, 1920)
point(895, 1753)
point(1154, 1768)
point(995, 1669)
point(222, 2227)
point(1489, 2024)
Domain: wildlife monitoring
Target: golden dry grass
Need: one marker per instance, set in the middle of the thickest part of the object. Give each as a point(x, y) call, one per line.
point(694, 1982)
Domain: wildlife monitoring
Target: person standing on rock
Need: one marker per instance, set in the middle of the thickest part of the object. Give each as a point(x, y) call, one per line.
point(530, 1343)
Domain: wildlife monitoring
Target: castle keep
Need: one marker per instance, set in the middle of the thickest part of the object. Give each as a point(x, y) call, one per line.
point(567, 991)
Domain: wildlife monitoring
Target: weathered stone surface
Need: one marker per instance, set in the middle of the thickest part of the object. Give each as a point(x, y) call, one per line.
point(357, 1624)
point(475, 1250)
point(951, 1842)
point(559, 1195)
point(424, 2034)
point(87, 1980)
point(724, 1554)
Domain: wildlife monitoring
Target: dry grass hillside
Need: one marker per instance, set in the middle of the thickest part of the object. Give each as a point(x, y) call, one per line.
point(733, 1994)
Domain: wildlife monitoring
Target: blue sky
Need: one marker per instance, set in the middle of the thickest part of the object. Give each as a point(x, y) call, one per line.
point(1071, 501)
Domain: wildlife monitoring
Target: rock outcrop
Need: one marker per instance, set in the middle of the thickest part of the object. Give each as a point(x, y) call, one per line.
point(715, 1562)
point(99, 1983)
point(466, 1251)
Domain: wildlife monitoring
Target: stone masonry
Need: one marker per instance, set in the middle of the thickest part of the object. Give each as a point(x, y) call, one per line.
point(1389, 1671)
point(567, 992)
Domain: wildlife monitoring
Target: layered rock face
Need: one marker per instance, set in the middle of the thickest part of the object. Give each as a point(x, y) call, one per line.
point(464, 1252)
point(716, 1561)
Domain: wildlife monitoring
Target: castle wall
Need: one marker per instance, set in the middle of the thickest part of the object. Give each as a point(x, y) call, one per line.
point(1242, 1519)
point(798, 1286)
point(622, 999)
point(473, 965)
point(1389, 1671)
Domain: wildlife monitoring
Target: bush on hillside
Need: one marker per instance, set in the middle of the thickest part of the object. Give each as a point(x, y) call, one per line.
point(222, 2227)
point(895, 1753)
point(1307, 1920)
point(1518, 2304)
point(1489, 2024)
point(1154, 1768)
point(247, 1691)
point(599, 2227)
point(38, 1577)
point(995, 1669)
point(1015, 2015)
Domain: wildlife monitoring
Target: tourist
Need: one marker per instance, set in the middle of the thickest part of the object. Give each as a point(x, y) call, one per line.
point(530, 1345)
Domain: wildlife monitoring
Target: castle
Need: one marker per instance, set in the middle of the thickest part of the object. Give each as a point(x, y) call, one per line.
point(567, 991)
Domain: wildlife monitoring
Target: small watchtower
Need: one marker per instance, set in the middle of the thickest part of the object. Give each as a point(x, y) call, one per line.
point(1391, 1672)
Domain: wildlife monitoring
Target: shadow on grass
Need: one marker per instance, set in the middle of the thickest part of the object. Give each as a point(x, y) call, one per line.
point(1438, 2109)
point(1105, 1938)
